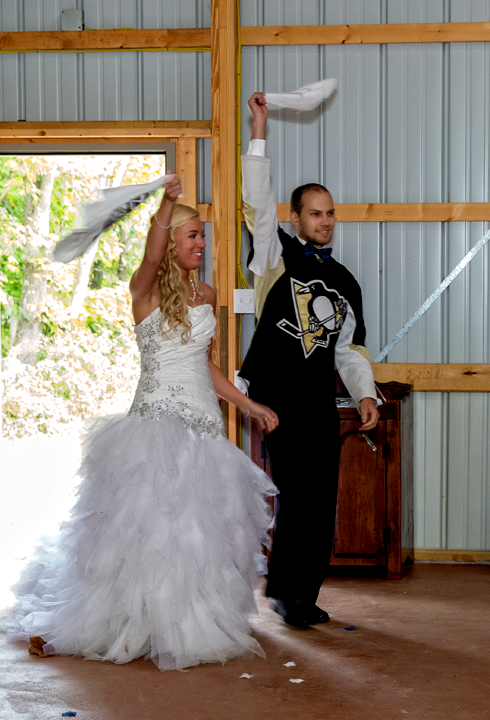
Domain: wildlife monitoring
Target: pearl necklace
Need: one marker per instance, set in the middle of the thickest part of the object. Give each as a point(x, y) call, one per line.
point(194, 291)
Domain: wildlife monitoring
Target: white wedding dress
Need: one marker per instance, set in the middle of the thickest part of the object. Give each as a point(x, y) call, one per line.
point(158, 558)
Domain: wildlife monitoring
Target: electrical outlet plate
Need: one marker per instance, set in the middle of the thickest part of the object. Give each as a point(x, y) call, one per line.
point(71, 20)
point(243, 301)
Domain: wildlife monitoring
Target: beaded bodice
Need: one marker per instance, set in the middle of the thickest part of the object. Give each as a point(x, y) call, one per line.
point(175, 379)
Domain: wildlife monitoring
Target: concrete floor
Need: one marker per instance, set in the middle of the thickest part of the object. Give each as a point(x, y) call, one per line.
point(421, 648)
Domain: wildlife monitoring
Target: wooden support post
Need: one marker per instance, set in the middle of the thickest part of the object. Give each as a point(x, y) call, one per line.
point(224, 45)
point(186, 169)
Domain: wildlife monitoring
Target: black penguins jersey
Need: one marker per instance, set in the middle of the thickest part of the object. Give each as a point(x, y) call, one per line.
point(301, 321)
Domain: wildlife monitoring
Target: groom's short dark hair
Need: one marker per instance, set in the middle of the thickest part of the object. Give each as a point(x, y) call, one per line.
point(296, 202)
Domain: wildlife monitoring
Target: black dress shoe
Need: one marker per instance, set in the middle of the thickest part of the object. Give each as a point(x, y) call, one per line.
point(316, 615)
point(292, 612)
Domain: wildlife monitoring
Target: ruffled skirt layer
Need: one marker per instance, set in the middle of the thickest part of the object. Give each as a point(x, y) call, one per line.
point(159, 557)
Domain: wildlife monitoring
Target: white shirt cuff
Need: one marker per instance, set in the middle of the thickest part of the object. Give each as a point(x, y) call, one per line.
point(256, 147)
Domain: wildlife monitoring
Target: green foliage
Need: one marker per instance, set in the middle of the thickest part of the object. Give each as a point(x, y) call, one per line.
point(62, 216)
point(49, 325)
point(88, 368)
point(14, 184)
point(86, 365)
point(11, 278)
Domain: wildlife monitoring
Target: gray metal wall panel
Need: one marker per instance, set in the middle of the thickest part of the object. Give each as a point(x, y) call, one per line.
point(147, 14)
point(414, 123)
point(430, 454)
point(415, 11)
point(105, 86)
point(12, 67)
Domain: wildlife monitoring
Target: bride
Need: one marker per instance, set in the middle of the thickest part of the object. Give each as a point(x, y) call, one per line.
point(158, 558)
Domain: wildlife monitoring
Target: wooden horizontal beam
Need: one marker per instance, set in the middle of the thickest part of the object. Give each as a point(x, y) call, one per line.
point(403, 212)
point(116, 131)
point(393, 212)
point(435, 377)
point(366, 34)
point(199, 39)
point(460, 556)
point(118, 39)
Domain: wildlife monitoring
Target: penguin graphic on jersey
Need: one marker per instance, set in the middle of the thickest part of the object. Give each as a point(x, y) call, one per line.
point(320, 313)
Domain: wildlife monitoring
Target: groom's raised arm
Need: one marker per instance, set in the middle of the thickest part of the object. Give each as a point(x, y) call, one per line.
point(259, 202)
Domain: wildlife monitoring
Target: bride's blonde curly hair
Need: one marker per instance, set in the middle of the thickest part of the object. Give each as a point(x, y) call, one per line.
point(173, 292)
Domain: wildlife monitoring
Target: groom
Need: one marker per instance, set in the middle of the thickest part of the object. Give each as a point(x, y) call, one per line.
point(309, 310)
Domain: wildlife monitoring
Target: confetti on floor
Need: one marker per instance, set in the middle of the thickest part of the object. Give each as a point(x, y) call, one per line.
point(352, 627)
point(296, 680)
point(290, 664)
point(246, 675)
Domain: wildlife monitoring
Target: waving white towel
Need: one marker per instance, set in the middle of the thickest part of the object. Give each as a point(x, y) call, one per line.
point(305, 98)
point(115, 203)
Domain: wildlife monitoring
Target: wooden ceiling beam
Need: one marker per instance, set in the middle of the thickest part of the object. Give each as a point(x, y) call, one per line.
point(199, 39)
point(365, 34)
point(103, 40)
point(393, 212)
point(436, 377)
point(116, 131)
point(403, 212)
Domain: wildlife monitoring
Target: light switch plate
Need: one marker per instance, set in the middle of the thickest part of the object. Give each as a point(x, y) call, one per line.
point(243, 301)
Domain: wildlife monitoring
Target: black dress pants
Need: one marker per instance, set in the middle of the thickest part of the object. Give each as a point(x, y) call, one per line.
point(304, 453)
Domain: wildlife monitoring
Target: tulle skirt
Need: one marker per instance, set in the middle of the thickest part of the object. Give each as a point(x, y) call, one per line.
point(159, 556)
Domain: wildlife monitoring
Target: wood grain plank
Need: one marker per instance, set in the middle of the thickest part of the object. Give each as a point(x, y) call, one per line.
point(116, 39)
point(224, 48)
point(186, 169)
point(403, 212)
point(365, 34)
point(462, 556)
point(396, 212)
point(104, 131)
point(436, 377)
point(206, 212)
point(200, 38)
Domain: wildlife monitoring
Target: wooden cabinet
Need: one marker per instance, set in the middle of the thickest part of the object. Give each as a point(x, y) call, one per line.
point(374, 524)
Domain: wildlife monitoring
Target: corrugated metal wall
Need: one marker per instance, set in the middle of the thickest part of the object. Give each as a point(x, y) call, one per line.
point(407, 124)
point(105, 86)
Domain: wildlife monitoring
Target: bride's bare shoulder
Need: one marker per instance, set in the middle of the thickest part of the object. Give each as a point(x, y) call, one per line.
point(208, 293)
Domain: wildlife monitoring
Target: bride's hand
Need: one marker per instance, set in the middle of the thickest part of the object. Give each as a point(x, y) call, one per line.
point(173, 188)
point(265, 418)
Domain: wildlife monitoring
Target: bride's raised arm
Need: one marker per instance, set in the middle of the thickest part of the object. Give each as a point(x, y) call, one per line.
point(143, 282)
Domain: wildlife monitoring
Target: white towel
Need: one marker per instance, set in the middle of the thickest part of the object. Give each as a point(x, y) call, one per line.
point(115, 203)
point(305, 98)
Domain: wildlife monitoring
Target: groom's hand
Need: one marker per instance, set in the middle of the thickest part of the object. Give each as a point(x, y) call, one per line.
point(258, 107)
point(369, 414)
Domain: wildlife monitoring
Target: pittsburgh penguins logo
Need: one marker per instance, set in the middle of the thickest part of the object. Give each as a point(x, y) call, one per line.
point(320, 313)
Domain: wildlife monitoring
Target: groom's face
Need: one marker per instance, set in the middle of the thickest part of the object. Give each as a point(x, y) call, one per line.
point(316, 220)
